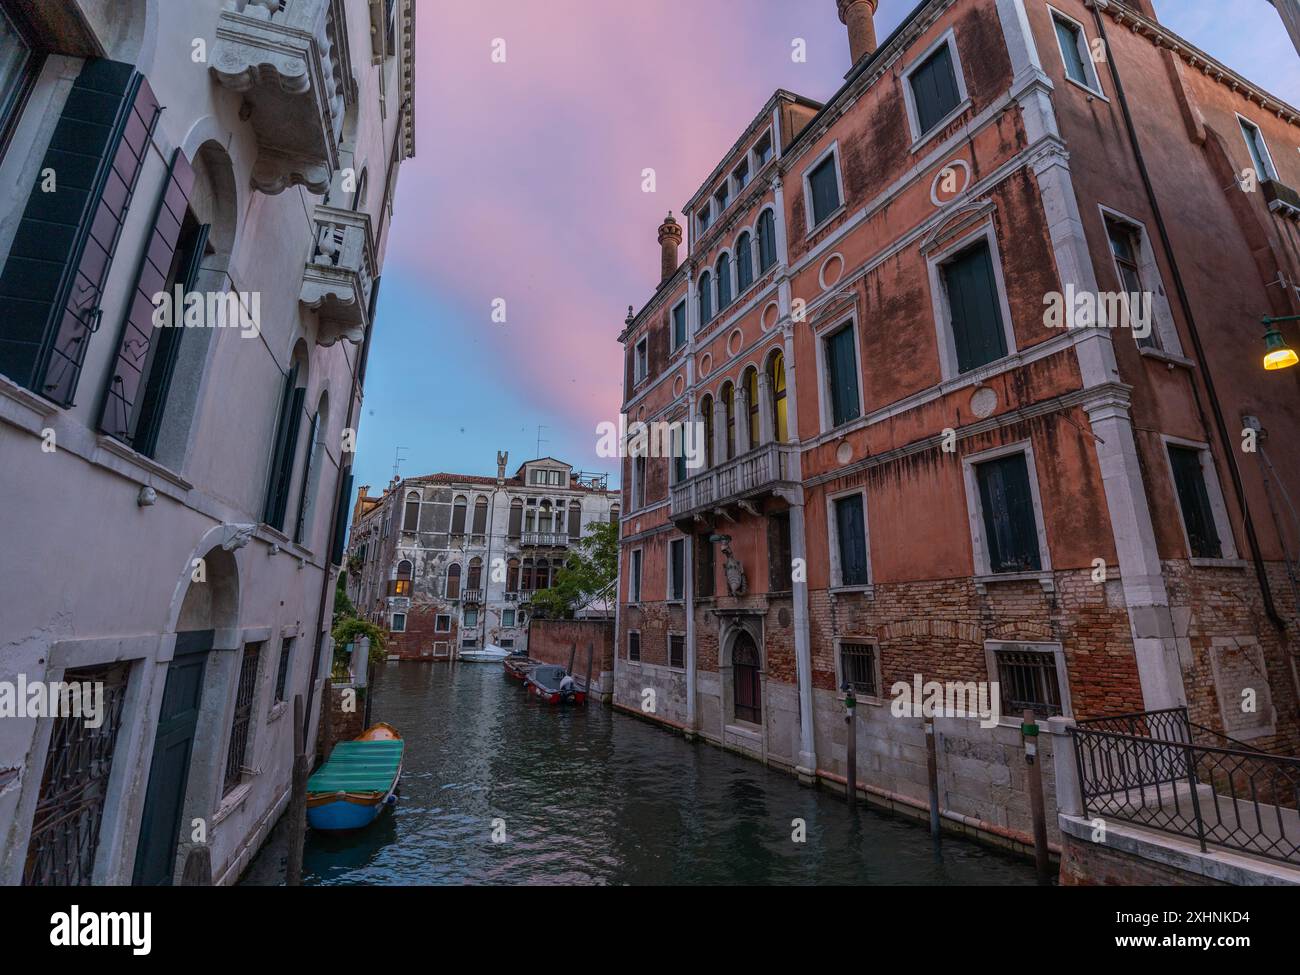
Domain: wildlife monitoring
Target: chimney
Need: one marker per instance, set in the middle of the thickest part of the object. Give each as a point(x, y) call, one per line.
point(860, 18)
point(670, 237)
point(502, 457)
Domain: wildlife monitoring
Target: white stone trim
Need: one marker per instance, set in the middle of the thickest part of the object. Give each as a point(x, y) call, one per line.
point(832, 151)
point(1213, 489)
point(949, 38)
point(991, 648)
point(1163, 324)
point(975, 508)
point(833, 539)
point(935, 263)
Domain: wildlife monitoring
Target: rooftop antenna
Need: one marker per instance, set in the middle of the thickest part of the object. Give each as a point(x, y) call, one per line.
point(397, 462)
point(540, 441)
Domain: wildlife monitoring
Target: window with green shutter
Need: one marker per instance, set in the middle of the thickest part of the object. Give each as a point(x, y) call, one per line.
point(974, 308)
point(1007, 505)
point(1194, 500)
point(934, 89)
point(825, 189)
point(842, 376)
point(1070, 37)
point(286, 449)
point(679, 325)
point(766, 240)
point(851, 539)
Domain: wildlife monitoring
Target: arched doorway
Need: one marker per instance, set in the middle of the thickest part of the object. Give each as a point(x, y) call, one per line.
point(746, 685)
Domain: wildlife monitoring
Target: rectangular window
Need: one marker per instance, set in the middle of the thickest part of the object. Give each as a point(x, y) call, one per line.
point(399, 623)
point(858, 668)
point(282, 676)
point(1073, 50)
point(679, 454)
point(780, 567)
point(634, 580)
point(1007, 505)
point(851, 540)
point(1126, 248)
point(1028, 679)
point(762, 151)
point(679, 325)
point(16, 61)
point(507, 617)
point(1259, 154)
point(703, 216)
point(471, 617)
point(638, 482)
point(633, 645)
point(974, 308)
point(442, 623)
point(241, 725)
point(704, 569)
point(741, 176)
point(642, 361)
point(507, 644)
point(722, 198)
point(842, 376)
point(676, 650)
point(934, 89)
point(1194, 501)
point(677, 568)
point(823, 184)
point(285, 450)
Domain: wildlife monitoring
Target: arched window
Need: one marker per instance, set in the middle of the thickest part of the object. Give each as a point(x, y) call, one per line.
point(453, 581)
point(747, 691)
point(544, 517)
point(411, 518)
point(474, 578)
point(706, 414)
point(729, 405)
point(543, 577)
point(744, 263)
point(776, 378)
point(706, 298)
point(528, 576)
point(766, 241)
point(512, 575)
point(575, 520)
point(516, 526)
point(724, 281)
point(402, 586)
point(480, 516)
point(751, 393)
point(458, 516)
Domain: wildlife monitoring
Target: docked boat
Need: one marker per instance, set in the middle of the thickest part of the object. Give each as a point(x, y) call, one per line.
point(546, 682)
point(490, 654)
point(357, 781)
point(517, 666)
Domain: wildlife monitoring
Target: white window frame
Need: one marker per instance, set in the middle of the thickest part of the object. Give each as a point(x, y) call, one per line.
point(949, 37)
point(635, 574)
point(991, 647)
point(841, 677)
point(759, 271)
point(1092, 85)
point(717, 282)
point(825, 411)
point(833, 535)
point(641, 360)
point(1213, 490)
point(753, 259)
point(756, 164)
point(441, 629)
point(668, 648)
point(724, 200)
point(1242, 122)
point(702, 217)
point(975, 510)
point(628, 649)
point(668, 574)
point(465, 614)
point(833, 150)
point(393, 627)
point(684, 304)
point(738, 185)
point(936, 262)
point(1166, 330)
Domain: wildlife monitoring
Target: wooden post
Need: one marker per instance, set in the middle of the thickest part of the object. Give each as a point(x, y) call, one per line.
point(1029, 733)
point(851, 773)
point(590, 653)
point(932, 775)
point(297, 798)
point(198, 868)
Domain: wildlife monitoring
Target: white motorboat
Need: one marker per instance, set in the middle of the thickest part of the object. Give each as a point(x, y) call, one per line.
point(490, 654)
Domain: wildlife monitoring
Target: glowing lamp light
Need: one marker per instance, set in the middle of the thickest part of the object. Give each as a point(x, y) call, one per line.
point(1277, 354)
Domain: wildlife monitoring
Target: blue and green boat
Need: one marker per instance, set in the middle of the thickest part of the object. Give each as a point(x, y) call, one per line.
point(351, 789)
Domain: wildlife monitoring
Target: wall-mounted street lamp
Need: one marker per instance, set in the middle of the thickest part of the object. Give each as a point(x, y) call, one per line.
point(1277, 354)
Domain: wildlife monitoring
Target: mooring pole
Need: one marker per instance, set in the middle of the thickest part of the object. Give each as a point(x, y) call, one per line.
point(573, 652)
point(932, 775)
point(851, 773)
point(297, 798)
point(590, 652)
point(1029, 732)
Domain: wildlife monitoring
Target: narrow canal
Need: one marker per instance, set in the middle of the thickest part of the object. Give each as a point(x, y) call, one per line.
point(586, 796)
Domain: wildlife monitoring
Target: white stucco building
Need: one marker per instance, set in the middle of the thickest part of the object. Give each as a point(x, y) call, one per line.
point(177, 496)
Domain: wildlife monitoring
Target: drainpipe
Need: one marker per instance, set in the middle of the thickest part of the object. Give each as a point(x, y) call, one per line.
point(1185, 302)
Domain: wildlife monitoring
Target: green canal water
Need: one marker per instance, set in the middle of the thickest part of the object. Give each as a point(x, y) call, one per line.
point(586, 796)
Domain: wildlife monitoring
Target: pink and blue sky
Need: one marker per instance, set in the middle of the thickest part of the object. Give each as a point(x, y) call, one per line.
point(527, 186)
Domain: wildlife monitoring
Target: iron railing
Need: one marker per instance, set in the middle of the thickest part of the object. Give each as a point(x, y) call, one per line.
point(751, 473)
point(1156, 769)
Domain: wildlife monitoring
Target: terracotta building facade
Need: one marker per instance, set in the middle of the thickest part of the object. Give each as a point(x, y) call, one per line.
point(974, 350)
point(449, 562)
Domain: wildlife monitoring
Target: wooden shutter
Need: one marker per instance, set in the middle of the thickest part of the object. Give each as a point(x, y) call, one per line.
point(480, 516)
point(780, 571)
point(1068, 36)
point(679, 325)
point(677, 550)
point(341, 504)
point(851, 529)
point(705, 573)
point(843, 374)
point(516, 525)
point(1010, 527)
point(934, 87)
point(458, 517)
point(53, 281)
point(825, 192)
point(286, 448)
point(575, 521)
point(977, 325)
point(1194, 499)
point(300, 526)
point(744, 262)
point(766, 240)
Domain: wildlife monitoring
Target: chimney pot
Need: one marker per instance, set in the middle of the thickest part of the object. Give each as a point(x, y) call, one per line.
point(670, 237)
point(860, 18)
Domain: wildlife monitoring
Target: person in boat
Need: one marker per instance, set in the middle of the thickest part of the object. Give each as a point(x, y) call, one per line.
point(566, 684)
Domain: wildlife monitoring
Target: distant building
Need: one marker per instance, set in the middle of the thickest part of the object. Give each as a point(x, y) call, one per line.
point(447, 562)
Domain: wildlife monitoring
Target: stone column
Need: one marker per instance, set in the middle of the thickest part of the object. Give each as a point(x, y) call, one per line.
point(719, 430)
point(1069, 793)
point(766, 426)
point(806, 768)
point(860, 18)
point(742, 421)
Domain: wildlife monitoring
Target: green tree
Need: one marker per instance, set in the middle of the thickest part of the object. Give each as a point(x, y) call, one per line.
point(589, 575)
point(351, 630)
point(343, 608)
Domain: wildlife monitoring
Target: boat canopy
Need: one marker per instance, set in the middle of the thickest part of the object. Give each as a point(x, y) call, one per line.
point(358, 766)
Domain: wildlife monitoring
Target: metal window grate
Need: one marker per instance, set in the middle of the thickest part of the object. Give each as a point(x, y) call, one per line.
point(676, 650)
point(243, 715)
point(70, 807)
point(858, 663)
point(634, 646)
point(1027, 679)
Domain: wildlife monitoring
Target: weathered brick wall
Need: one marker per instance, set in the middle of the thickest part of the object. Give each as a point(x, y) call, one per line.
point(417, 642)
point(1092, 865)
point(338, 724)
point(553, 641)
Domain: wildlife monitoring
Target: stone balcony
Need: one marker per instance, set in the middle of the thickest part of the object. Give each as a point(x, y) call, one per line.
point(765, 470)
point(289, 60)
point(544, 539)
point(1281, 198)
point(472, 597)
point(340, 274)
